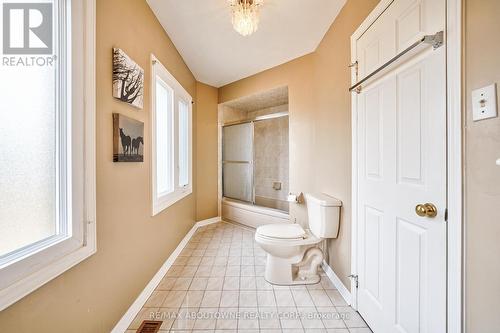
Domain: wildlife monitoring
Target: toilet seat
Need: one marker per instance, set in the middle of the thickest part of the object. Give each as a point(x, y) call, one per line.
point(282, 231)
point(281, 234)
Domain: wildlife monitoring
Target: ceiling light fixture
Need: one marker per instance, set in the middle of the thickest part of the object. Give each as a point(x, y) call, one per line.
point(245, 15)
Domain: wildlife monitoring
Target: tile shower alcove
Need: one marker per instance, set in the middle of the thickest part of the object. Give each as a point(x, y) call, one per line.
point(254, 158)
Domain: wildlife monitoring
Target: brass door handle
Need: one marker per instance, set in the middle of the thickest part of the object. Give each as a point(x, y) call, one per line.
point(426, 210)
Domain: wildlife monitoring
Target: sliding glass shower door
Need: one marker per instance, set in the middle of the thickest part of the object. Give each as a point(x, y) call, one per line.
point(237, 161)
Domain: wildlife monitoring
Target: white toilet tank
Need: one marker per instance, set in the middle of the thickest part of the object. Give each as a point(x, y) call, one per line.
point(324, 215)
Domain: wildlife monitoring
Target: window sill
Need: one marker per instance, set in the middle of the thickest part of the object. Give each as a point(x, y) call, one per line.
point(161, 205)
point(30, 283)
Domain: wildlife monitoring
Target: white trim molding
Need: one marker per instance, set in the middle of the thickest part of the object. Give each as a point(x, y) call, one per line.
point(208, 221)
point(372, 17)
point(455, 166)
point(134, 309)
point(344, 292)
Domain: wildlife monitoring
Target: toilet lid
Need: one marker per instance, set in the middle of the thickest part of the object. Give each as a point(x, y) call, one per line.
point(283, 231)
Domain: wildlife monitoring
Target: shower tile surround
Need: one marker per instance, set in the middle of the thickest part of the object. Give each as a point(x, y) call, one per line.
point(271, 158)
point(261, 100)
point(217, 285)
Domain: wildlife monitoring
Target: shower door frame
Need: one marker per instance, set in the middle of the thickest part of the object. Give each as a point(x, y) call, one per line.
point(252, 163)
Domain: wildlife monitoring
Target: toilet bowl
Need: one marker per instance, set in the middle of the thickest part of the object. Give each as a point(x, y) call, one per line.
point(285, 245)
point(292, 255)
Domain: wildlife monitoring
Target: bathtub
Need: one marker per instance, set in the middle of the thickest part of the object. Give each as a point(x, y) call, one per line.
point(281, 205)
point(252, 215)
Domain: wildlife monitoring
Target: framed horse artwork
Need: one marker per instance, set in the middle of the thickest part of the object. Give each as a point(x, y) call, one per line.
point(128, 139)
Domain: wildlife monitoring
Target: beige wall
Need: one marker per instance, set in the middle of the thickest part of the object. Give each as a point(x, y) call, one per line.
point(206, 187)
point(333, 123)
point(482, 195)
point(132, 245)
point(319, 105)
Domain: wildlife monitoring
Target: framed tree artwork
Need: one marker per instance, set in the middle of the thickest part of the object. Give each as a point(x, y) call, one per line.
point(128, 139)
point(128, 79)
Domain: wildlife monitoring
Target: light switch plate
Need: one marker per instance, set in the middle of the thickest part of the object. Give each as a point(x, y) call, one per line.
point(484, 103)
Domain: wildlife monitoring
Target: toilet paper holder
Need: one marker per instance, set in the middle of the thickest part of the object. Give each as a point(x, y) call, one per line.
point(296, 198)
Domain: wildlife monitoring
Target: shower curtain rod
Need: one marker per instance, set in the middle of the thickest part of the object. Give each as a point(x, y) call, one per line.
point(258, 118)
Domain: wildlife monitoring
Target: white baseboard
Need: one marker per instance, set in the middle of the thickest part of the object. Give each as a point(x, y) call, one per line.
point(134, 309)
point(346, 294)
point(208, 221)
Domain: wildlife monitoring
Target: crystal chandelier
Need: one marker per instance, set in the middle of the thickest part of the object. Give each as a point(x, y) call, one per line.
point(245, 15)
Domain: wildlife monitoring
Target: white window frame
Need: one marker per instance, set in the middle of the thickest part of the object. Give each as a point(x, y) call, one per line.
point(161, 202)
point(30, 268)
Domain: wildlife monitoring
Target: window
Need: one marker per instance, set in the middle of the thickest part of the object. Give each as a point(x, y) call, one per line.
point(184, 141)
point(47, 179)
point(172, 139)
point(164, 134)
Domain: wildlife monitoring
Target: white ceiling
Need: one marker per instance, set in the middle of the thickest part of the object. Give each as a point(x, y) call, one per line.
point(217, 55)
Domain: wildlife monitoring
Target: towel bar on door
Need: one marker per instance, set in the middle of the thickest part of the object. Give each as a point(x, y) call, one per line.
point(435, 40)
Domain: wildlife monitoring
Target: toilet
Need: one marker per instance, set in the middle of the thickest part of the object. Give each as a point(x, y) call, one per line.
point(292, 255)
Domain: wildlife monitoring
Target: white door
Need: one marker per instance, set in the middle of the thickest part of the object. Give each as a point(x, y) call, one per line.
point(401, 162)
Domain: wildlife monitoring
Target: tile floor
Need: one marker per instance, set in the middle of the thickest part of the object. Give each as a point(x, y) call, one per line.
point(217, 285)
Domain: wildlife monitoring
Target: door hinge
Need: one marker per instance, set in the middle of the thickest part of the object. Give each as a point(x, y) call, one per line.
point(446, 215)
point(355, 65)
point(355, 278)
